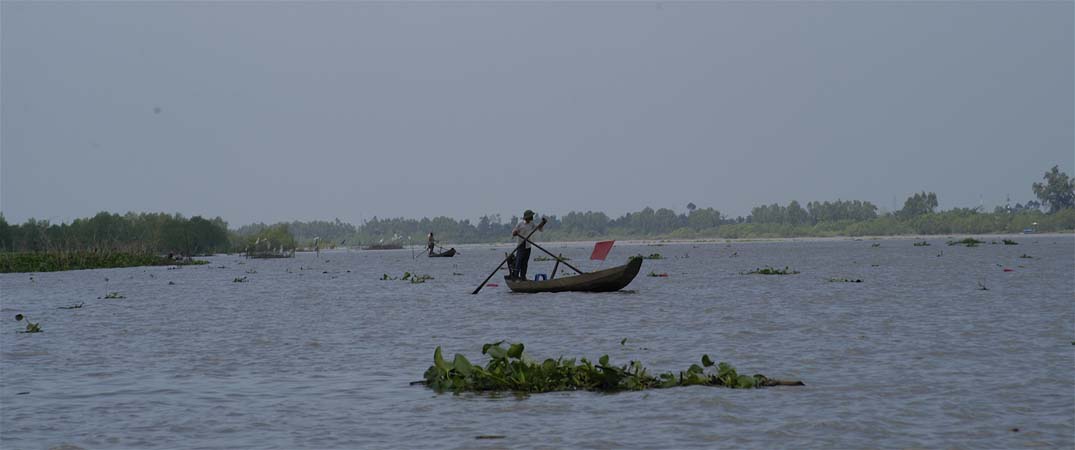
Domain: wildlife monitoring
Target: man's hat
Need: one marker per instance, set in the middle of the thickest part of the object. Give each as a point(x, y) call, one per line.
point(528, 214)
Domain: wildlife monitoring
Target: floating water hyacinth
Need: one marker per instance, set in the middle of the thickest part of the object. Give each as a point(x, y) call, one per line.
point(509, 369)
point(407, 276)
point(651, 256)
point(770, 271)
point(969, 242)
point(921, 244)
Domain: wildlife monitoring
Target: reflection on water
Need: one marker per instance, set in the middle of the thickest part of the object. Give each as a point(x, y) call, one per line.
point(319, 352)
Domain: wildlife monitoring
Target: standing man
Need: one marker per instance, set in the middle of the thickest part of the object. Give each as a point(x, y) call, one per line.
point(430, 243)
point(522, 252)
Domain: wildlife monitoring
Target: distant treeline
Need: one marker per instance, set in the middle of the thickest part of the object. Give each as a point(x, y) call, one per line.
point(112, 233)
point(818, 219)
point(163, 233)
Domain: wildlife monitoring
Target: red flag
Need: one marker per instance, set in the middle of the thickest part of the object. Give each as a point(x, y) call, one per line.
point(601, 249)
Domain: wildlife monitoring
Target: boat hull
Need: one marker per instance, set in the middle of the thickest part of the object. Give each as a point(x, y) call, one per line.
point(608, 280)
point(445, 254)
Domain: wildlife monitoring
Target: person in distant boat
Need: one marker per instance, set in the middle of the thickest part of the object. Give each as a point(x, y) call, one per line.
point(522, 252)
point(430, 243)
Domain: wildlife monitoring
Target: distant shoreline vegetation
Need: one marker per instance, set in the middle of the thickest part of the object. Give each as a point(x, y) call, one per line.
point(161, 234)
point(16, 262)
point(774, 221)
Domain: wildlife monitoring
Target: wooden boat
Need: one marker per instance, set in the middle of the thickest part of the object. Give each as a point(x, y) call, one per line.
point(607, 280)
point(445, 254)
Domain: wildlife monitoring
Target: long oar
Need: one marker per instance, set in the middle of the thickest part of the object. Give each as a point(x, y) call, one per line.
point(554, 256)
point(480, 286)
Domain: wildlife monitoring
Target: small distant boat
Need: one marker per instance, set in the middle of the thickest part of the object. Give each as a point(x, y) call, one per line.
point(608, 280)
point(445, 254)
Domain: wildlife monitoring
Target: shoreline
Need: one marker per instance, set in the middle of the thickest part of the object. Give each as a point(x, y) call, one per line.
point(662, 241)
point(41, 262)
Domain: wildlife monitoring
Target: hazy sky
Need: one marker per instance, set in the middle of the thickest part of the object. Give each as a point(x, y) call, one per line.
point(263, 111)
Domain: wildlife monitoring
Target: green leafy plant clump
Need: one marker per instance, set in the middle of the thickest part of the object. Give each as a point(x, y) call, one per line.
point(509, 369)
point(1010, 242)
point(11, 262)
point(770, 271)
point(651, 256)
point(845, 280)
point(969, 242)
point(407, 276)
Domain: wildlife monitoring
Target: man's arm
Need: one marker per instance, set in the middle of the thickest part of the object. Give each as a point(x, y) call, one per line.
point(542, 224)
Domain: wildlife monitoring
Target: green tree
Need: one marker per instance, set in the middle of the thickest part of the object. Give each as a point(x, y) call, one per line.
point(6, 238)
point(795, 214)
point(918, 204)
point(702, 219)
point(1058, 191)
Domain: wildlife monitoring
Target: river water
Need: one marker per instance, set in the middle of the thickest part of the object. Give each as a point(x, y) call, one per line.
point(318, 352)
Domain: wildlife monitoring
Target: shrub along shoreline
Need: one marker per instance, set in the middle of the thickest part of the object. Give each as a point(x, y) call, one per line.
point(17, 262)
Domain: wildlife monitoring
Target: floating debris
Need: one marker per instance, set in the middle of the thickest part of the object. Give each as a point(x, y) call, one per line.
point(1026, 256)
point(767, 270)
point(1010, 242)
point(655, 274)
point(651, 256)
point(510, 370)
point(111, 295)
point(407, 276)
point(969, 242)
point(30, 327)
point(981, 286)
point(845, 280)
point(71, 307)
point(876, 244)
point(239, 280)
